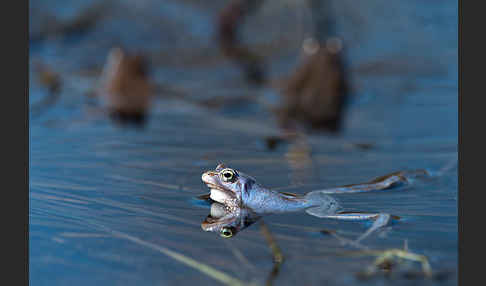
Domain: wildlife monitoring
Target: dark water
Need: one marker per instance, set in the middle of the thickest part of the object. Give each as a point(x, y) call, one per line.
point(106, 201)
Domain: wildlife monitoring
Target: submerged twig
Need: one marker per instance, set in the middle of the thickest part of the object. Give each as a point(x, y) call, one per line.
point(276, 252)
point(385, 259)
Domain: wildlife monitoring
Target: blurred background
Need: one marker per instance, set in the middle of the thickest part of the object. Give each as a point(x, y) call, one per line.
point(131, 101)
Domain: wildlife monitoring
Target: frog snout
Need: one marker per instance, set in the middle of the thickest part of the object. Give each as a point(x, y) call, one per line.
point(208, 176)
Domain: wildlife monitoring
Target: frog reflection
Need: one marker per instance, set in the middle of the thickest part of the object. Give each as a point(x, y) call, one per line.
point(228, 221)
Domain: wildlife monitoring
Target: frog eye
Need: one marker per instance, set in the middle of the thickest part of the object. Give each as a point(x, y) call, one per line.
point(226, 232)
point(227, 175)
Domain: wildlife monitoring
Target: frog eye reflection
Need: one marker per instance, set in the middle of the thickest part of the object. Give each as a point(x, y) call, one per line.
point(227, 175)
point(226, 233)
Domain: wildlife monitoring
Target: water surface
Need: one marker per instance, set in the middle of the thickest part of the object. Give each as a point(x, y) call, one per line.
point(91, 180)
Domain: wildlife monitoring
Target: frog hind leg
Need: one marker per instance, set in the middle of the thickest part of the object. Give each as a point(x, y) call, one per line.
point(385, 182)
point(380, 220)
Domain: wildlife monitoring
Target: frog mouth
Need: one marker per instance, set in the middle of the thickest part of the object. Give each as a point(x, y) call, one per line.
point(219, 193)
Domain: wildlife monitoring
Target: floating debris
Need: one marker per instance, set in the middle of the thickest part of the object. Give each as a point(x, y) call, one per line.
point(315, 95)
point(125, 87)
